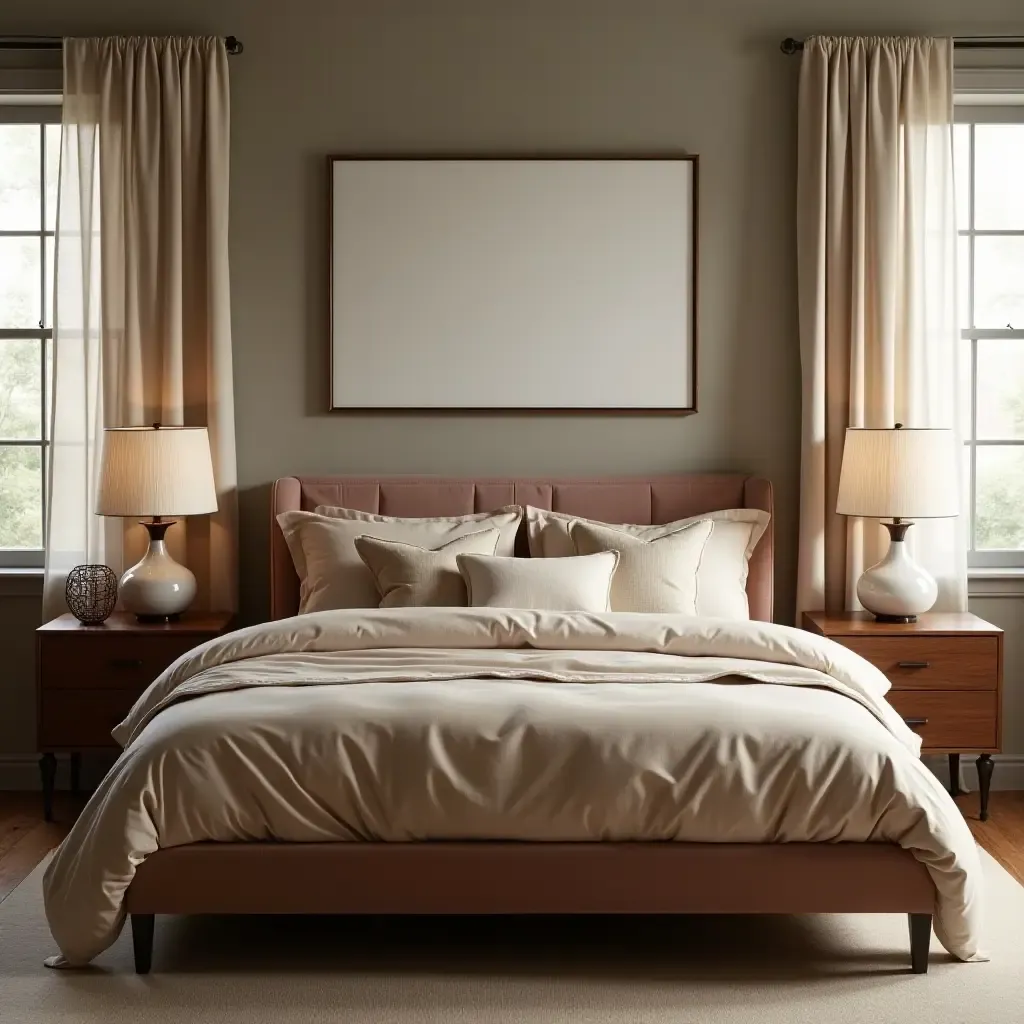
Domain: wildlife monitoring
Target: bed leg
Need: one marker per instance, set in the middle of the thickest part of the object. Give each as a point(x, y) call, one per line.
point(920, 939)
point(142, 941)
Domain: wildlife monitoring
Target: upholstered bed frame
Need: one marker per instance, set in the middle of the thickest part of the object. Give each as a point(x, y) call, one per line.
point(529, 878)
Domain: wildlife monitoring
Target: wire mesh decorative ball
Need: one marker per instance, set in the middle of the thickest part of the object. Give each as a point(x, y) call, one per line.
point(91, 593)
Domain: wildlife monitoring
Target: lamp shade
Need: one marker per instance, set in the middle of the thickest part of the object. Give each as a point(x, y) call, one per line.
point(900, 473)
point(156, 471)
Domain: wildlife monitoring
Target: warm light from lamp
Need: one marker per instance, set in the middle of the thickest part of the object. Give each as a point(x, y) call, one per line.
point(900, 473)
point(156, 471)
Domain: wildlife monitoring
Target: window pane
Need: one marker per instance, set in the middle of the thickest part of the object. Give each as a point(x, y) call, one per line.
point(50, 246)
point(962, 173)
point(998, 159)
point(999, 281)
point(965, 383)
point(1001, 389)
point(19, 282)
point(963, 280)
point(48, 392)
point(21, 497)
point(19, 177)
point(965, 502)
point(20, 394)
point(52, 174)
point(999, 520)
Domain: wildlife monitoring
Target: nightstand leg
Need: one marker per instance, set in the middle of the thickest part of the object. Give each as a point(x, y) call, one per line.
point(985, 768)
point(76, 773)
point(48, 773)
point(954, 774)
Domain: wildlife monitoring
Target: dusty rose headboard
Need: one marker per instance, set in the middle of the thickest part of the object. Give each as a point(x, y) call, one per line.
point(610, 499)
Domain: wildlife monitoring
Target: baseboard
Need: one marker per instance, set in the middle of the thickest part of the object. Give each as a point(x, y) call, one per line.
point(21, 771)
point(1008, 773)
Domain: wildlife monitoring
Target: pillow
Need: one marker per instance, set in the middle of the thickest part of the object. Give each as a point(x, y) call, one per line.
point(581, 584)
point(408, 576)
point(722, 577)
point(331, 573)
point(654, 575)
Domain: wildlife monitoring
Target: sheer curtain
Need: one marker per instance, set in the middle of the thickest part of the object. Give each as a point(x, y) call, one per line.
point(142, 329)
point(877, 290)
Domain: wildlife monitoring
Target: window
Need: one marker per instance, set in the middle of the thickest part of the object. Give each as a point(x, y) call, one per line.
point(989, 155)
point(29, 161)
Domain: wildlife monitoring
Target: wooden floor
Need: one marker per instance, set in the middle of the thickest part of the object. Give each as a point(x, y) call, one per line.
point(25, 838)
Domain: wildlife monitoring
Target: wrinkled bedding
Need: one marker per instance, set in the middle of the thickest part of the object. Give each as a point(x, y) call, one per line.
point(434, 723)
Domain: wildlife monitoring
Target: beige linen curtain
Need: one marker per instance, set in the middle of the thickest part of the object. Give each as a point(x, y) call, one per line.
point(142, 329)
point(877, 290)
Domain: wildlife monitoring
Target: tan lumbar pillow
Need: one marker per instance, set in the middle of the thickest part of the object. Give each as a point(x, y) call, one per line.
point(544, 584)
point(656, 575)
point(408, 576)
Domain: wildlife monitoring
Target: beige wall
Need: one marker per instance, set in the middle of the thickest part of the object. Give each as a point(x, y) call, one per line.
point(474, 75)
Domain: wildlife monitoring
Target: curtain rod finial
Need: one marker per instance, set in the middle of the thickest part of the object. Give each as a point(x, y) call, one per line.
point(233, 45)
point(790, 45)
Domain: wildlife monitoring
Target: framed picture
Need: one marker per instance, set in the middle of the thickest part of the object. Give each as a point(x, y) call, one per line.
point(513, 284)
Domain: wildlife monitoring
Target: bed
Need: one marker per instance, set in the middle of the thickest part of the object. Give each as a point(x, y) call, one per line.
point(496, 876)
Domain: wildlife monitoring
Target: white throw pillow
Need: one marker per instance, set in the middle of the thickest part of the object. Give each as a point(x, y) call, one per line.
point(722, 577)
point(408, 576)
point(658, 574)
point(581, 584)
point(331, 573)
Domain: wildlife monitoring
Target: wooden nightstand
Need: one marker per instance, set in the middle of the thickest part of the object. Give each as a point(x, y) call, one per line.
point(946, 672)
point(88, 678)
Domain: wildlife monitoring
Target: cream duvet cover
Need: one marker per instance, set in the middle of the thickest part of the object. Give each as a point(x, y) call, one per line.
point(434, 723)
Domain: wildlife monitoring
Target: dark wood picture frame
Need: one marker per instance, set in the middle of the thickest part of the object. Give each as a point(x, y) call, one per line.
point(692, 158)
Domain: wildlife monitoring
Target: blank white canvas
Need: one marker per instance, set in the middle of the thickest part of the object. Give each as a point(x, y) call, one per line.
point(505, 284)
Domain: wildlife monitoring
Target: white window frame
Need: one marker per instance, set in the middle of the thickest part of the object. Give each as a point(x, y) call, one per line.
point(39, 110)
point(985, 96)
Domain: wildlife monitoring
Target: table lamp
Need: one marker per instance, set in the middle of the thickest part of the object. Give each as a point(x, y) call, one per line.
point(898, 475)
point(156, 472)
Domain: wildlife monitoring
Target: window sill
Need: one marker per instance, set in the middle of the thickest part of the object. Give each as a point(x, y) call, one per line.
point(21, 583)
point(995, 582)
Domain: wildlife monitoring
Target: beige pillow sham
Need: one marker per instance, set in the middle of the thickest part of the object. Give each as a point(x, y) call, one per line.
point(331, 573)
point(722, 577)
point(409, 576)
point(580, 584)
point(654, 575)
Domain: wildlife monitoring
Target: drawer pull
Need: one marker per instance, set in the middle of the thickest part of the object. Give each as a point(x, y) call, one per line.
point(913, 664)
point(126, 663)
point(915, 721)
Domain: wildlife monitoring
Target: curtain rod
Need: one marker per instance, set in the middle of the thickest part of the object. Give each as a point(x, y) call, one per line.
point(791, 45)
point(231, 43)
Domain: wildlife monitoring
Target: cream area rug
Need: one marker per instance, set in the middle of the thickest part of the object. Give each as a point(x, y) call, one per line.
point(684, 970)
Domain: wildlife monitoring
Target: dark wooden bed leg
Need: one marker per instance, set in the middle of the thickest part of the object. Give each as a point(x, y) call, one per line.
point(954, 774)
point(920, 940)
point(142, 941)
point(985, 767)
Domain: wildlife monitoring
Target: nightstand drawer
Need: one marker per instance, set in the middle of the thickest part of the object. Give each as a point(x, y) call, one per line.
point(932, 662)
point(108, 662)
point(955, 720)
point(80, 719)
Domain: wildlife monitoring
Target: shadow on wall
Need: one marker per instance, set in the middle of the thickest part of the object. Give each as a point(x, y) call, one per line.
point(768, 240)
point(317, 273)
point(254, 553)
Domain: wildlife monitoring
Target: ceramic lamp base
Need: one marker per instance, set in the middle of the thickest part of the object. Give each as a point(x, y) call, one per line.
point(897, 589)
point(157, 620)
point(157, 589)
